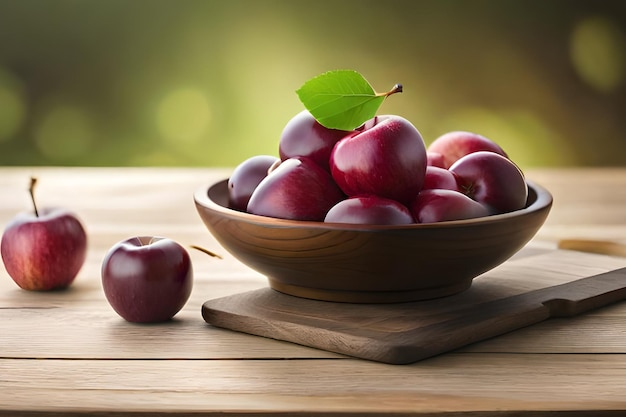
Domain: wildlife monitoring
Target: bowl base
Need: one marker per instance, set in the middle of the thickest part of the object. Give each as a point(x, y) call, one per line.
point(369, 297)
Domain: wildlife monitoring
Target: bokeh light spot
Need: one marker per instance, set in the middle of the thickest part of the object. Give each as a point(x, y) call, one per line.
point(183, 115)
point(64, 133)
point(12, 106)
point(598, 53)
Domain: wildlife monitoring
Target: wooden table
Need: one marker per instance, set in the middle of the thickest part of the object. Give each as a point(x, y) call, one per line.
point(68, 353)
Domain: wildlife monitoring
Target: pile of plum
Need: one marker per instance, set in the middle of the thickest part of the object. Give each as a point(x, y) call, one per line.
point(379, 173)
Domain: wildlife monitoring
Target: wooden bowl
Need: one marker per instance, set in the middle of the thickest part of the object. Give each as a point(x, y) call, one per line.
point(365, 263)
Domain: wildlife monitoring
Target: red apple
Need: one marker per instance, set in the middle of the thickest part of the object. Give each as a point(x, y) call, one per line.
point(245, 178)
point(369, 210)
point(454, 145)
point(493, 180)
point(44, 249)
point(305, 136)
point(386, 158)
point(147, 279)
point(439, 178)
point(435, 159)
point(297, 189)
point(439, 205)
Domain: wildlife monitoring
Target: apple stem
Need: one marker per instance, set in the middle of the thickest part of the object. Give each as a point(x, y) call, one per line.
point(31, 190)
point(396, 89)
point(208, 252)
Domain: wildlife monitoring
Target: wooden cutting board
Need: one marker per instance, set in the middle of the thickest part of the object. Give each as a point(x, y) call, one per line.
point(523, 291)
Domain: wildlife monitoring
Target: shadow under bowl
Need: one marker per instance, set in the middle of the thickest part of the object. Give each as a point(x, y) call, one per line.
point(370, 263)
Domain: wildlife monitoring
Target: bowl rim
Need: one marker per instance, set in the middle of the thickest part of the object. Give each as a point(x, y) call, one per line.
point(201, 197)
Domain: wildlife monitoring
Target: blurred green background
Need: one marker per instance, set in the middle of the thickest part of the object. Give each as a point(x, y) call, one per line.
point(210, 83)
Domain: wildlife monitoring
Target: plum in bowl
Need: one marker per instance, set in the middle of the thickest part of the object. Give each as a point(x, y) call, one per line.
point(370, 263)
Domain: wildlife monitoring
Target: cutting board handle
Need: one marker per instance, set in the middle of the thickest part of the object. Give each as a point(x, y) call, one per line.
point(494, 318)
point(585, 294)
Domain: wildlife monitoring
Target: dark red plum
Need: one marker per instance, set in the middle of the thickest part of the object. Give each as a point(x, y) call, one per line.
point(305, 136)
point(147, 279)
point(369, 210)
point(386, 158)
point(297, 189)
point(440, 205)
point(454, 145)
point(493, 180)
point(439, 178)
point(246, 177)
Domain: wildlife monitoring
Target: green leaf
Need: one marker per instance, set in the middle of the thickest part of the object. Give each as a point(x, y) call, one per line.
point(341, 99)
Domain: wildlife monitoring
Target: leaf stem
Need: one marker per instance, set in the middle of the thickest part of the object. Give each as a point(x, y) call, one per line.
point(31, 191)
point(396, 89)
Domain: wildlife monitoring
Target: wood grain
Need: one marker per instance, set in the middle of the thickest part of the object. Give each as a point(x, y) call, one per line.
point(466, 384)
point(408, 332)
point(67, 353)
